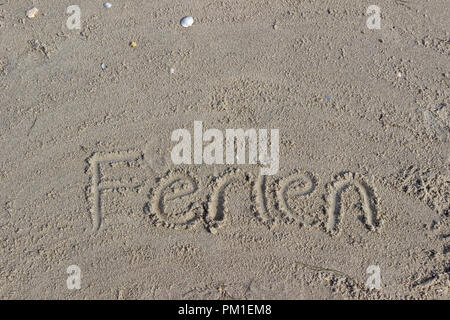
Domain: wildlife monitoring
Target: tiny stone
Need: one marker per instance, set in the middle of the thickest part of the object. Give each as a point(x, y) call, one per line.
point(399, 74)
point(172, 70)
point(133, 44)
point(439, 107)
point(107, 5)
point(32, 13)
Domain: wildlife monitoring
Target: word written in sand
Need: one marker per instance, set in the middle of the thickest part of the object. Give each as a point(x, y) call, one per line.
point(207, 206)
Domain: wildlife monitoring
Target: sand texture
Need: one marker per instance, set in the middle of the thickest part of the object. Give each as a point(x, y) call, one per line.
point(86, 176)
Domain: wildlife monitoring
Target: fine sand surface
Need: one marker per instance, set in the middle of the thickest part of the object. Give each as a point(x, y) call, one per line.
point(86, 176)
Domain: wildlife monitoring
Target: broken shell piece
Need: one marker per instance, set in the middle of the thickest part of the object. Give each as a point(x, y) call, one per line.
point(107, 5)
point(172, 70)
point(32, 13)
point(103, 66)
point(213, 230)
point(187, 21)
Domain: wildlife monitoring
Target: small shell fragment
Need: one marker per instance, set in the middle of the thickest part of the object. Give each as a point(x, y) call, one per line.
point(107, 5)
point(32, 13)
point(187, 21)
point(103, 66)
point(133, 44)
point(172, 70)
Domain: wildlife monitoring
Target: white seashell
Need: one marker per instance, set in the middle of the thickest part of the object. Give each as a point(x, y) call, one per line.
point(172, 70)
point(103, 66)
point(32, 13)
point(187, 21)
point(107, 5)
